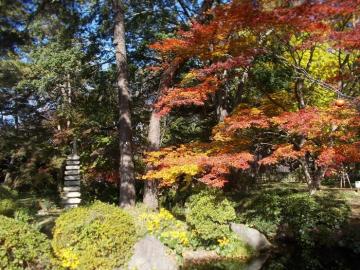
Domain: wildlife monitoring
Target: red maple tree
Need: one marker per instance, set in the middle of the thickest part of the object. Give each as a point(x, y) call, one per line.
point(319, 139)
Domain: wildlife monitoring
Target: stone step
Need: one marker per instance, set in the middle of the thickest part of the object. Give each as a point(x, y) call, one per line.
point(73, 157)
point(72, 172)
point(71, 189)
point(68, 206)
point(72, 167)
point(71, 183)
point(72, 194)
point(71, 201)
point(72, 177)
point(72, 162)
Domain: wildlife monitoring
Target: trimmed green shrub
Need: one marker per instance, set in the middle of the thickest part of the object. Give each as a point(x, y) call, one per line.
point(308, 219)
point(313, 223)
point(99, 236)
point(314, 220)
point(22, 247)
point(208, 214)
point(262, 211)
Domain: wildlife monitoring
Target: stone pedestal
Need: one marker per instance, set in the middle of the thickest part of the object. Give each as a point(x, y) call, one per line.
point(71, 196)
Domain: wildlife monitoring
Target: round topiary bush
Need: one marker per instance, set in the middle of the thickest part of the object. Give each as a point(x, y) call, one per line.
point(22, 247)
point(209, 213)
point(99, 236)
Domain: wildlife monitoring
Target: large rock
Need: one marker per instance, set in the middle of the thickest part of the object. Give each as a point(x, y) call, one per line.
point(252, 237)
point(150, 254)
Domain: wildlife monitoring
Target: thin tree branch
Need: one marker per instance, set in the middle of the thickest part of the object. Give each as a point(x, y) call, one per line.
point(304, 73)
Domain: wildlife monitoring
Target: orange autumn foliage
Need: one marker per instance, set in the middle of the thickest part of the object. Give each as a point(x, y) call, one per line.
point(322, 129)
point(176, 97)
point(236, 34)
point(208, 162)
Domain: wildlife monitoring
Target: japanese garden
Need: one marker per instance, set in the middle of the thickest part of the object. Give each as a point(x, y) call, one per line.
point(180, 134)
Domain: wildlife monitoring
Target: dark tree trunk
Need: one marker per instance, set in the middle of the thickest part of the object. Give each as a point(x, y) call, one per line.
point(313, 174)
point(16, 120)
point(241, 88)
point(2, 122)
point(314, 184)
point(221, 105)
point(313, 178)
point(8, 177)
point(69, 98)
point(126, 164)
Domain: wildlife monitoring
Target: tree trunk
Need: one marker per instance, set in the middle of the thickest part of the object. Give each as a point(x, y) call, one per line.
point(314, 185)
point(69, 99)
point(8, 177)
point(150, 187)
point(299, 85)
point(126, 164)
point(150, 198)
point(8, 180)
point(16, 120)
point(313, 180)
point(221, 105)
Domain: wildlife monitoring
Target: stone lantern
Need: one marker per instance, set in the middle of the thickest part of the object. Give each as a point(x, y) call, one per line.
point(71, 195)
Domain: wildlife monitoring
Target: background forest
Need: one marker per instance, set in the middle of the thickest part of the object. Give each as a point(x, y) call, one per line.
point(192, 116)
